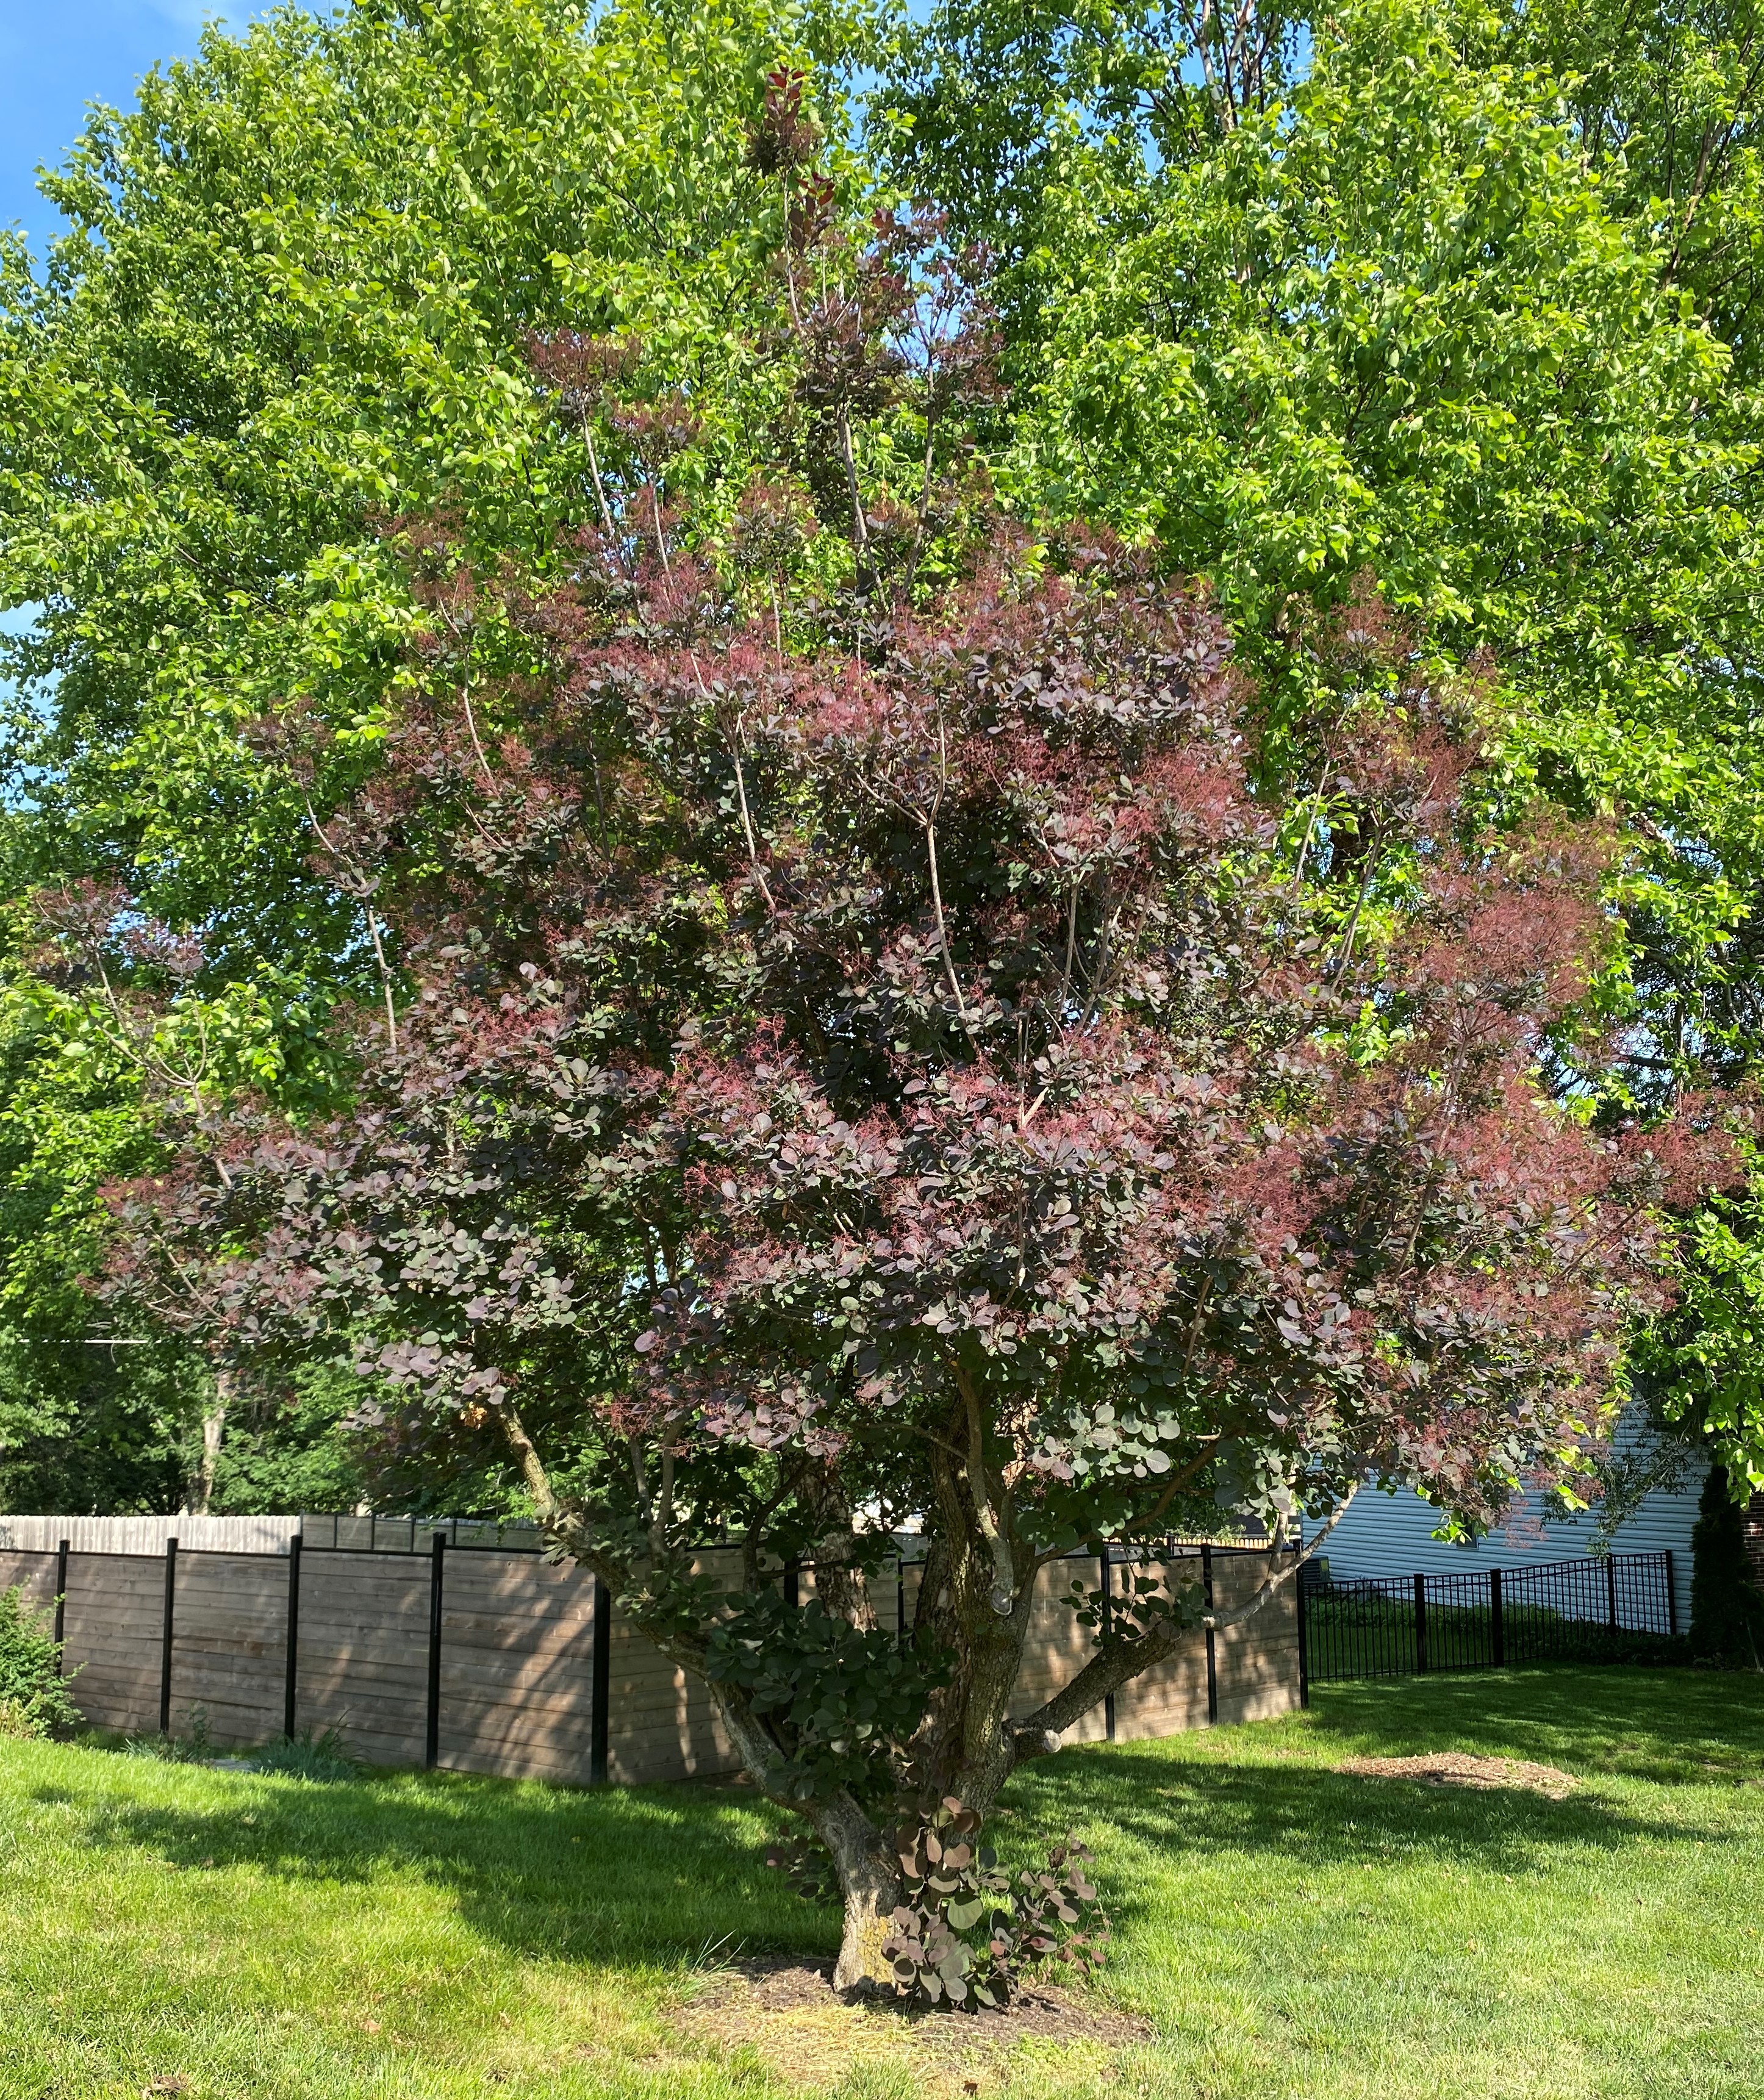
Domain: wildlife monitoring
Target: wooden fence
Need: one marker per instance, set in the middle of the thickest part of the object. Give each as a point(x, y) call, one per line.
point(491, 1659)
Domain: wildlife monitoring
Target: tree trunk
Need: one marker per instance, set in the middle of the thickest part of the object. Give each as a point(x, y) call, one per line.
point(201, 1492)
point(964, 1747)
point(869, 1879)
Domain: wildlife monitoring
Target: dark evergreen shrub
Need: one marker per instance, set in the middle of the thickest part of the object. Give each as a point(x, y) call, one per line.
point(1727, 1609)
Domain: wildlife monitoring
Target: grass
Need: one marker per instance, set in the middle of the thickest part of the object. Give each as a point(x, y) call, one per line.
point(1289, 1930)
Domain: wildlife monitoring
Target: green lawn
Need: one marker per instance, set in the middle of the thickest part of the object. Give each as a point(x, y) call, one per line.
point(1289, 1930)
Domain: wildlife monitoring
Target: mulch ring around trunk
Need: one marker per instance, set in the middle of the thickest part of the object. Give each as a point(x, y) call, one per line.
point(1451, 1768)
point(786, 2012)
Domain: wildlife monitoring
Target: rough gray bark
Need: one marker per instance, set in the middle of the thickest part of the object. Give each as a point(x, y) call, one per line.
point(964, 1747)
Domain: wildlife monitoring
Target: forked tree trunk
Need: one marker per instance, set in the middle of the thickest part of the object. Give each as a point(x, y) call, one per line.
point(968, 1745)
point(964, 1746)
point(869, 1879)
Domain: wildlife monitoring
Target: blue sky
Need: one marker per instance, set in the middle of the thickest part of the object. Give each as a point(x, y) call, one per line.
point(58, 56)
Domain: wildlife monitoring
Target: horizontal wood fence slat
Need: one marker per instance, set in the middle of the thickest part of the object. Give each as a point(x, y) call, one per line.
point(509, 1690)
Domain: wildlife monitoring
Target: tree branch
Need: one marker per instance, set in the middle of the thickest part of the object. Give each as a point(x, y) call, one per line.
point(1106, 1671)
point(1217, 1621)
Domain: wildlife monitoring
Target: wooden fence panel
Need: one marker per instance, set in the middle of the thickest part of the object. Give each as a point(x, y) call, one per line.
point(1056, 1646)
point(661, 1724)
point(517, 1666)
point(1257, 1662)
point(1172, 1696)
point(229, 1656)
point(116, 1617)
point(148, 1534)
point(364, 1652)
point(34, 1574)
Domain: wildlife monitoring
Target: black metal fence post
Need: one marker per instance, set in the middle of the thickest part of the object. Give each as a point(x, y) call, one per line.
point(602, 1685)
point(61, 1598)
point(432, 1738)
point(1611, 1592)
point(165, 1637)
point(793, 1584)
point(1212, 1662)
point(899, 1600)
point(1420, 1623)
point(1672, 1595)
point(1497, 1620)
point(291, 1679)
point(1107, 1558)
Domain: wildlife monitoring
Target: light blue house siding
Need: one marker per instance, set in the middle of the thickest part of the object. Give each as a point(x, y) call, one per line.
point(1392, 1535)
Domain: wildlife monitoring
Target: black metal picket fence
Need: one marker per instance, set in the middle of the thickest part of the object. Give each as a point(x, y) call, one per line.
point(1562, 1611)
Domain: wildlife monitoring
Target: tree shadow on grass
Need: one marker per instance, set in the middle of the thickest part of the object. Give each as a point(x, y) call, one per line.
point(1671, 1727)
point(1271, 1798)
point(662, 1875)
point(675, 1874)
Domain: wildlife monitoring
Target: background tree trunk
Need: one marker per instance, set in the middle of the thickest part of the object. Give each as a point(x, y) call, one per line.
point(200, 1491)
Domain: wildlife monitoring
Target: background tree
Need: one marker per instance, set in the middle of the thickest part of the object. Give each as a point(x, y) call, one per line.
point(101, 1072)
point(1395, 312)
point(291, 300)
point(1665, 101)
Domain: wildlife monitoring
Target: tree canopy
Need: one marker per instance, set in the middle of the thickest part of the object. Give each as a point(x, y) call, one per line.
point(292, 302)
point(1031, 816)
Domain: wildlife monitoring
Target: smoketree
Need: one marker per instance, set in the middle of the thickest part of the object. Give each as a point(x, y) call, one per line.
point(861, 1042)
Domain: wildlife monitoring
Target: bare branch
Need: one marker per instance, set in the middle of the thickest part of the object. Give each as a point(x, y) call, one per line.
point(1216, 1621)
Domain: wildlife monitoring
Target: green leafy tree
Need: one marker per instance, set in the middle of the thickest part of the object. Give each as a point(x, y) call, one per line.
point(94, 1075)
point(1666, 101)
point(1366, 305)
point(1705, 1359)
